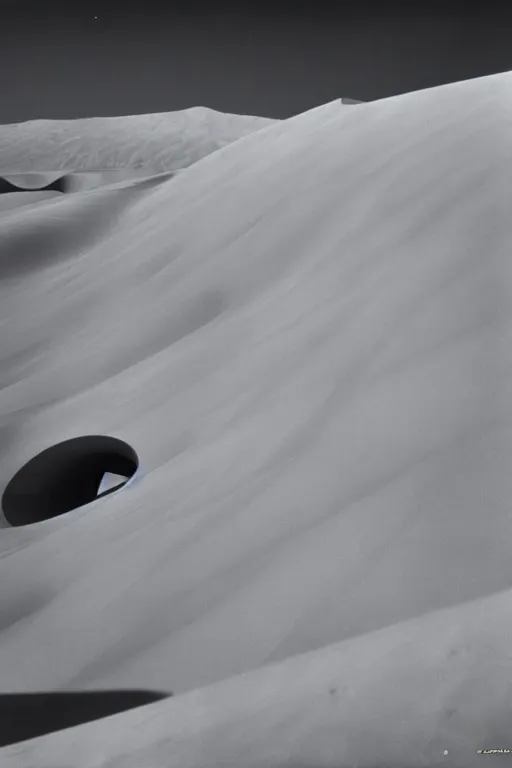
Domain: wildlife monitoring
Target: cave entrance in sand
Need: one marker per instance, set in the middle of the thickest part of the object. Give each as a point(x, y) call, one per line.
point(66, 476)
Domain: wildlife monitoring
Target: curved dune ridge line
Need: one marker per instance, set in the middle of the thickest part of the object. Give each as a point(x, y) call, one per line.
point(163, 141)
point(143, 146)
point(75, 182)
point(305, 336)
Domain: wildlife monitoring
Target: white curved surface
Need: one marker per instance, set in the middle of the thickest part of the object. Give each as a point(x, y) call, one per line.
point(306, 338)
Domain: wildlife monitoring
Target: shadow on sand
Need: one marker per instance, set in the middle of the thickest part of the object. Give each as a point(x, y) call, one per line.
point(6, 186)
point(28, 715)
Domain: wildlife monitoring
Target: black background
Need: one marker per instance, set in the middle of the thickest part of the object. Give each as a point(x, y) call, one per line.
point(58, 61)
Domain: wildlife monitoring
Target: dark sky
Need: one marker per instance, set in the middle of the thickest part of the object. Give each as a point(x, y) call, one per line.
point(58, 61)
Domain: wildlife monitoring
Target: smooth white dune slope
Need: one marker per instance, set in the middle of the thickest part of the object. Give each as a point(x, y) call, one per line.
point(306, 338)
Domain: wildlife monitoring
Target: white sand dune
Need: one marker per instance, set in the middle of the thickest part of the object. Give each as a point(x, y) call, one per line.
point(306, 338)
point(163, 141)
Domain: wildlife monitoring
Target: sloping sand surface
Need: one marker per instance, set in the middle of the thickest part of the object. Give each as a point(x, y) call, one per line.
point(430, 692)
point(305, 336)
point(11, 200)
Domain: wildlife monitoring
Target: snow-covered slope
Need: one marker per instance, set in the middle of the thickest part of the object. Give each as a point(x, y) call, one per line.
point(306, 338)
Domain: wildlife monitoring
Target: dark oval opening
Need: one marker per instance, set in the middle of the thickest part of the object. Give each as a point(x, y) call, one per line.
point(66, 476)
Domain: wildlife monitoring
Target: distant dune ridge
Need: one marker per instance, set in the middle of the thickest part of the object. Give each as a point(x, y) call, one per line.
point(96, 152)
point(77, 155)
point(164, 141)
point(305, 337)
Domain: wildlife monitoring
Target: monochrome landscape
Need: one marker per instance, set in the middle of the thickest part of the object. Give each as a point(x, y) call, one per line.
point(255, 436)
